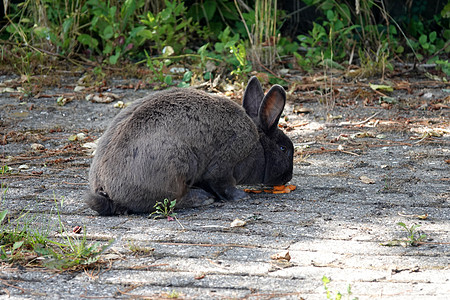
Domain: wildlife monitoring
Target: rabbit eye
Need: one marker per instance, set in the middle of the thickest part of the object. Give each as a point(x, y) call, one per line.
point(283, 148)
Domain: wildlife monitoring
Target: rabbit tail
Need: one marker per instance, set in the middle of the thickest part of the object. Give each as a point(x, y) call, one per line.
point(101, 203)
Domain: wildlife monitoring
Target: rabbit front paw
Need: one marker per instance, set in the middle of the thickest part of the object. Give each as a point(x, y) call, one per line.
point(234, 194)
point(196, 198)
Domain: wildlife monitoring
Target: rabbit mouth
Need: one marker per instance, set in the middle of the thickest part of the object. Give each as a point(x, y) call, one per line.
point(283, 179)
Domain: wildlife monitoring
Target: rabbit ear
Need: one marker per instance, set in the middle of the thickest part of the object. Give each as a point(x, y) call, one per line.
point(253, 96)
point(271, 108)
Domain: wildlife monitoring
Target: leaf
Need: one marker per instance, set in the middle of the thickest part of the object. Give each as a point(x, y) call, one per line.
point(400, 49)
point(332, 64)
point(330, 15)
point(147, 34)
point(165, 14)
point(168, 79)
point(281, 256)
point(433, 36)
point(113, 58)
point(108, 48)
point(87, 40)
point(378, 87)
point(17, 245)
point(108, 32)
point(187, 76)
point(127, 10)
point(3, 214)
point(423, 39)
point(183, 84)
point(209, 9)
point(367, 180)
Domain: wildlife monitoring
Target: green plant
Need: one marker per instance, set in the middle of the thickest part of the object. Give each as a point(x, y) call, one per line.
point(414, 238)
point(428, 36)
point(112, 33)
point(164, 209)
point(374, 63)
point(334, 37)
point(240, 54)
point(3, 188)
point(223, 47)
point(215, 15)
point(172, 295)
point(326, 281)
point(444, 66)
point(72, 252)
point(353, 30)
point(158, 67)
point(23, 241)
point(185, 82)
point(388, 177)
point(170, 27)
point(229, 49)
point(5, 169)
point(261, 28)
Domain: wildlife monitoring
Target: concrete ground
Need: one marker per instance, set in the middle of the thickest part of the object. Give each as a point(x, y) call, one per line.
point(354, 182)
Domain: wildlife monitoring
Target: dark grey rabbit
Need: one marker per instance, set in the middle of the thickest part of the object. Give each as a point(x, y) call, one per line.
point(191, 146)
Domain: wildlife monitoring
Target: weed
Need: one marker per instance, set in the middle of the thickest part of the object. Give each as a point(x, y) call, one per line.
point(232, 44)
point(353, 31)
point(240, 54)
point(243, 34)
point(23, 242)
point(414, 237)
point(444, 66)
point(374, 63)
point(111, 32)
point(158, 66)
point(326, 280)
point(164, 209)
point(387, 182)
point(261, 28)
point(5, 169)
point(172, 295)
point(170, 27)
point(3, 187)
point(186, 79)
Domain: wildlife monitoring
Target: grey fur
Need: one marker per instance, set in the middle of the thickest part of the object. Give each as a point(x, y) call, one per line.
point(191, 146)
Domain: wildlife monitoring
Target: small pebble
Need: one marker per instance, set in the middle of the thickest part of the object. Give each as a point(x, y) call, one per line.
point(36, 146)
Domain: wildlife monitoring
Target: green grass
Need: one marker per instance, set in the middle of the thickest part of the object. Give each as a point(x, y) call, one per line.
point(24, 241)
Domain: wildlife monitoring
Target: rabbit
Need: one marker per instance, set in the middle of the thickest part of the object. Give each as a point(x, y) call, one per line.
point(191, 146)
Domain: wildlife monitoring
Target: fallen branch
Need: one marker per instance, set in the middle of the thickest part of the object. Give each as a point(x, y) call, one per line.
point(353, 123)
point(207, 245)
